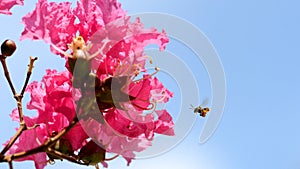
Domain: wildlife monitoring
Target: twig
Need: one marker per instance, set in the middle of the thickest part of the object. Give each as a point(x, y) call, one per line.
point(29, 72)
point(63, 156)
point(16, 136)
point(43, 147)
point(46, 147)
point(20, 96)
point(47, 144)
point(20, 110)
point(6, 73)
point(52, 140)
point(23, 126)
point(112, 158)
point(13, 139)
point(10, 165)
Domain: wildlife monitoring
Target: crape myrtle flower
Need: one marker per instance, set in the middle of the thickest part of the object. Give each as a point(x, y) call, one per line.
point(55, 105)
point(111, 48)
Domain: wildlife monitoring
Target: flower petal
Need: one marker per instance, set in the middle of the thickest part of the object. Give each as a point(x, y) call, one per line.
point(6, 5)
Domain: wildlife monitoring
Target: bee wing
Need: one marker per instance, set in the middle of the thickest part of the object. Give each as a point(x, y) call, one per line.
point(192, 107)
point(205, 102)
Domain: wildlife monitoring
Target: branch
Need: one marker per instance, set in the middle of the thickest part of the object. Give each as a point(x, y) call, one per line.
point(23, 126)
point(13, 139)
point(42, 148)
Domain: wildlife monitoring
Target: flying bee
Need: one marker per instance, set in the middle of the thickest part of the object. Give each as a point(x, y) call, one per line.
point(200, 109)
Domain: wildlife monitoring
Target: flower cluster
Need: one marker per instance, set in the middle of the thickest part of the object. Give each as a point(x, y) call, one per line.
point(53, 100)
point(106, 86)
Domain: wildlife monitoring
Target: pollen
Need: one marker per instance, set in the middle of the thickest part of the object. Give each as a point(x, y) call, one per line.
point(77, 43)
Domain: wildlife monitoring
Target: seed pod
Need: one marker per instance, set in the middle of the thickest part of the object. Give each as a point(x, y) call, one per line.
point(8, 47)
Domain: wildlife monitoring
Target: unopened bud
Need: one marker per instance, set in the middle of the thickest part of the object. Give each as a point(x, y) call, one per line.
point(8, 47)
point(92, 153)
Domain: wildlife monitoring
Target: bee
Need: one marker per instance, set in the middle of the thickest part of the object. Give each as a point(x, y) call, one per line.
point(200, 109)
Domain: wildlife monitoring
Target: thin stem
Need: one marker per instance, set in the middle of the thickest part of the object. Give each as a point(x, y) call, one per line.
point(52, 140)
point(49, 143)
point(41, 148)
point(6, 73)
point(10, 165)
point(20, 110)
point(13, 139)
point(29, 72)
point(112, 158)
point(63, 156)
point(16, 136)
point(23, 154)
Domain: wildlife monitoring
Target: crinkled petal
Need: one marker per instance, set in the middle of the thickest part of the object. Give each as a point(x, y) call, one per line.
point(29, 140)
point(6, 5)
point(37, 94)
point(76, 136)
point(141, 91)
point(95, 14)
point(159, 93)
point(51, 22)
point(122, 43)
point(164, 124)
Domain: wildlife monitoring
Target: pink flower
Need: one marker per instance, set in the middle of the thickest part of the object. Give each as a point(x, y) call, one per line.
point(35, 137)
point(76, 136)
point(146, 126)
point(57, 96)
point(6, 5)
point(127, 127)
point(122, 43)
point(56, 24)
point(51, 22)
point(58, 93)
point(128, 115)
point(114, 142)
point(55, 109)
point(95, 14)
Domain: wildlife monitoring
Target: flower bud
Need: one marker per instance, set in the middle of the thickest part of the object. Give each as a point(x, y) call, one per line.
point(92, 153)
point(8, 47)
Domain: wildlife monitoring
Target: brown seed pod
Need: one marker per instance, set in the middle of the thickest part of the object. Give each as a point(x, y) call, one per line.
point(8, 47)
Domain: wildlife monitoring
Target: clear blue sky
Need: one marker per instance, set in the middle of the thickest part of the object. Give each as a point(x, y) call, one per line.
point(258, 43)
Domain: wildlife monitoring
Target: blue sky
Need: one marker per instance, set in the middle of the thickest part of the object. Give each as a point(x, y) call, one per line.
point(257, 42)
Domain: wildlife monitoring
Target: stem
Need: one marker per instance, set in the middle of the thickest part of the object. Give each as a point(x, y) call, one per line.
point(52, 140)
point(41, 148)
point(10, 165)
point(13, 139)
point(20, 110)
point(6, 73)
point(112, 158)
point(49, 143)
point(29, 72)
point(23, 126)
point(63, 156)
